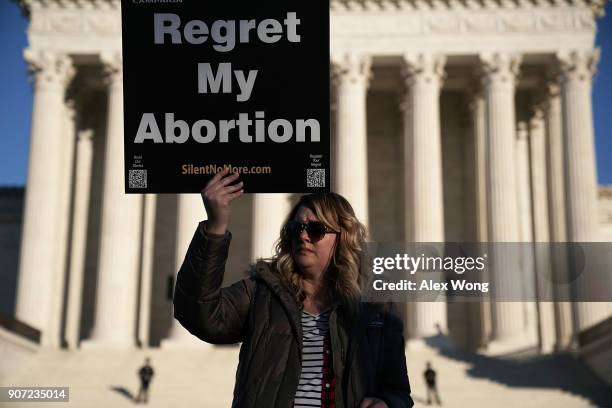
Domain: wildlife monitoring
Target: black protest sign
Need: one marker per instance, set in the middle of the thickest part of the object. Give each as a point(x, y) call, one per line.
point(208, 85)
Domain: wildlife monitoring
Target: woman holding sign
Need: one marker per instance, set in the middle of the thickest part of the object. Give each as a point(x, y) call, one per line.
point(307, 340)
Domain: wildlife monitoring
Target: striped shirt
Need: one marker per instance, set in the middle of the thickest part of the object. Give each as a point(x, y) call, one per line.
point(317, 383)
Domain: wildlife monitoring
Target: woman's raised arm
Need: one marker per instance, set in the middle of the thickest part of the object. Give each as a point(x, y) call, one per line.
point(213, 314)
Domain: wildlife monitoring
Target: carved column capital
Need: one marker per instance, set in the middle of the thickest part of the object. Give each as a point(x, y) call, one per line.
point(113, 67)
point(49, 69)
point(499, 67)
point(352, 69)
point(85, 135)
point(537, 118)
point(553, 86)
point(71, 108)
point(522, 130)
point(578, 65)
point(424, 68)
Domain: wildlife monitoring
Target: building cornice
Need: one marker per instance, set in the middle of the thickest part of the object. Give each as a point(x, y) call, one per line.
point(362, 5)
point(372, 5)
point(30, 5)
point(374, 27)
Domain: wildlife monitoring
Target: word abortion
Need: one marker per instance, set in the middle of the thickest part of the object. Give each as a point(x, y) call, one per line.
point(223, 32)
point(205, 131)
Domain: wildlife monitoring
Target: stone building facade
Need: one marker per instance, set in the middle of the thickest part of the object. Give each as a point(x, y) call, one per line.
point(452, 120)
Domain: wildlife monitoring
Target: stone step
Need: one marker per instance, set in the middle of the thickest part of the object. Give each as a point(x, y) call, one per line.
point(205, 378)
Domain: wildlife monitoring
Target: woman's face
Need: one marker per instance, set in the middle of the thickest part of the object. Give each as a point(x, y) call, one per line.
point(309, 256)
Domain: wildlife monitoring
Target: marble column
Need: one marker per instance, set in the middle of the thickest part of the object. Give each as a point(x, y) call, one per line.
point(523, 187)
point(577, 70)
point(269, 213)
point(526, 278)
point(499, 75)
point(556, 212)
point(120, 236)
point(481, 310)
point(146, 276)
point(82, 185)
point(64, 187)
point(541, 236)
point(537, 150)
point(38, 273)
point(477, 110)
point(190, 211)
point(352, 74)
point(423, 76)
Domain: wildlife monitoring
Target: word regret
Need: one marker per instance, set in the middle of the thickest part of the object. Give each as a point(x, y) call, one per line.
point(223, 32)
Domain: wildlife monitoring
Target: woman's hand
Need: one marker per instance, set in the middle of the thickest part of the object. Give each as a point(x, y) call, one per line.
point(373, 403)
point(217, 196)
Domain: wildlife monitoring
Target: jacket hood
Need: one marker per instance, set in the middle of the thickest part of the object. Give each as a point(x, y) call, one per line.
point(263, 272)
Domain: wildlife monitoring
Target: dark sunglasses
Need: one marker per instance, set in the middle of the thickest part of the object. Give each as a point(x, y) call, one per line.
point(316, 230)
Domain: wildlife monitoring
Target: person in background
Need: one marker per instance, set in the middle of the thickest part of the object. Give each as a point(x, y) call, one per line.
point(430, 380)
point(146, 375)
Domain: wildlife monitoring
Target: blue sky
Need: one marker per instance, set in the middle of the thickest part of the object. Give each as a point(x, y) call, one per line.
point(16, 97)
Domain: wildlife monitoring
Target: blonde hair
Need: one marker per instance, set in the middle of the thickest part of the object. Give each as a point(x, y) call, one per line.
point(342, 279)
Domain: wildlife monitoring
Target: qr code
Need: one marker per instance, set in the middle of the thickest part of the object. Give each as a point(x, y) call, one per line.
point(138, 178)
point(315, 177)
